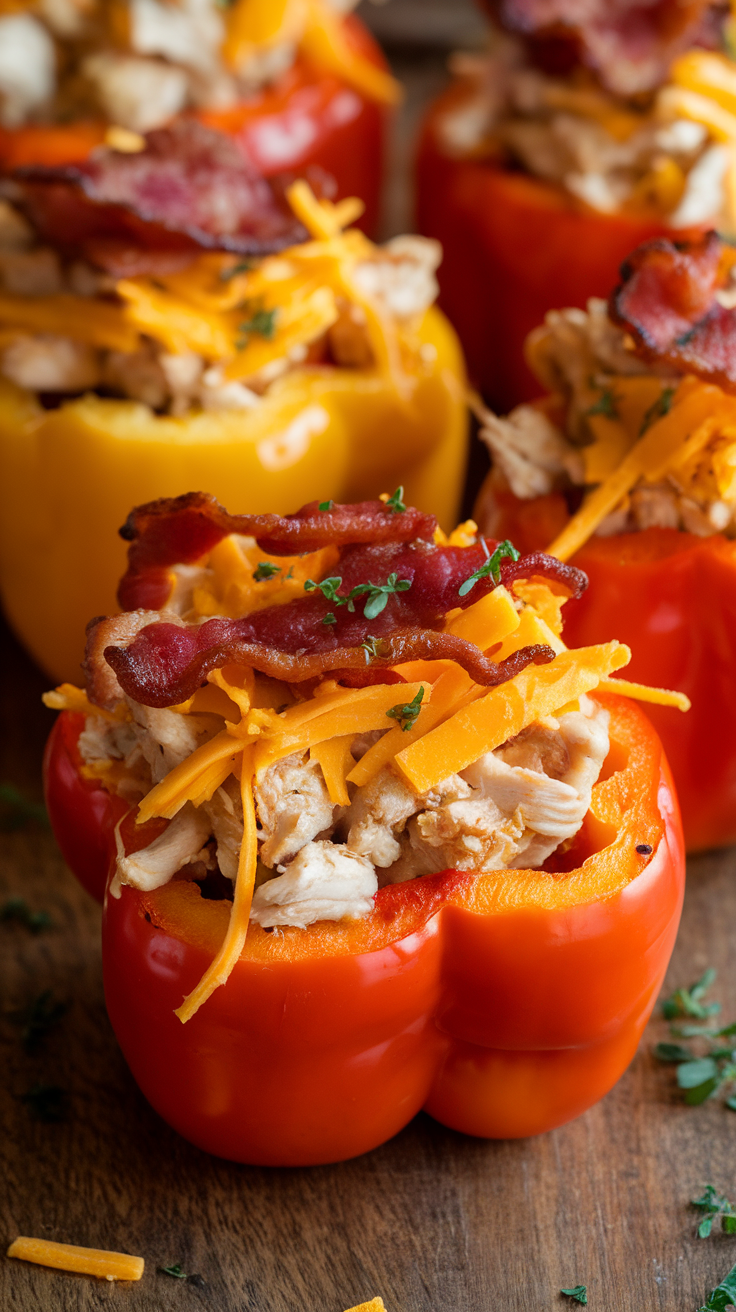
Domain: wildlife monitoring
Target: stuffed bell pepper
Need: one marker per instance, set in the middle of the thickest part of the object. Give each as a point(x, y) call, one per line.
point(628, 468)
point(556, 153)
point(168, 320)
point(299, 85)
point(376, 839)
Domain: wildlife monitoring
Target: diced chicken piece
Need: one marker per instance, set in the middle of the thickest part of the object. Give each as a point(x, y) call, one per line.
point(138, 375)
point(166, 738)
point(187, 578)
point(66, 18)
point(381, 808)
point(265, 65)
point(218, 393)
point(104, 740)
point(293, 807)
point(540, 747)
point(323, 882)
point(655, 505)
point(225, 812)
point(183, 376)
point(27, 68)
point(703, 198)
point(32, 273)
point(378, 814)
point(402, 275)
point(530, 451)
point(468, 835)
point(180, 843)
point(189, 32)
point(139, 94)
point(348, 339)
point(47, 363)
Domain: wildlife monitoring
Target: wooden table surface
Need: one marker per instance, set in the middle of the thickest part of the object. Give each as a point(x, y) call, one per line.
point(433, 1221)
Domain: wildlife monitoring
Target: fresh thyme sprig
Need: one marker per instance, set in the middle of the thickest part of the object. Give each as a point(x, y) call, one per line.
point(376, 594)
point(395, 503)
point(605, 405)
point(265, 570)
point(658, 409)
point(18, 910)
point(578, 1292)
point(16, 811)
point(700, 1075)
point(407, 713)
point(262, 323)
point(492, 566)
point(723, 1296)
point(714, 1205)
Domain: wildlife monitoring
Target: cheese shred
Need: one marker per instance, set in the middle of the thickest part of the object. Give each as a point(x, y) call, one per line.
point(83, 1261)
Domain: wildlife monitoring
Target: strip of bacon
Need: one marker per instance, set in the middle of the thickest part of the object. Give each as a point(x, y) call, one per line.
point(667, 302)
point(630, 43)
point(181, 530)
point(164, 662)
point(191, 188)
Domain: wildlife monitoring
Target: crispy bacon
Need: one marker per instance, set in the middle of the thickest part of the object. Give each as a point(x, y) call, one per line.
point(181, 530)
point(630, 43)
point(149, 212)
point(667, 301)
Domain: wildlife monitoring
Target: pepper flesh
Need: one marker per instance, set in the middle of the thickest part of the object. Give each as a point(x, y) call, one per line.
point(75, 472)
point(457, 993)
point(307, 119)
point(514, 248)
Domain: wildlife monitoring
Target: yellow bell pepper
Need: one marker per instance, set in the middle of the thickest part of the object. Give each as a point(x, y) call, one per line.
point(72, 474)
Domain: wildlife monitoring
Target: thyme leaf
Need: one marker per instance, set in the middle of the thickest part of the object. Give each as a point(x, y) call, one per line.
point(395, 503)
point(408, 713)
point(491, 567)
point(265, 570)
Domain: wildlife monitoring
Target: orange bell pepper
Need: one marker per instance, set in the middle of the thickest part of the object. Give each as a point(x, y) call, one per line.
point(503, 1003)
point(515, 247)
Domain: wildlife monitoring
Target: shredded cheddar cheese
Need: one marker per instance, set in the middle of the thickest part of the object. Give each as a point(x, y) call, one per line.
point(82, 1261)
point(375, 1305)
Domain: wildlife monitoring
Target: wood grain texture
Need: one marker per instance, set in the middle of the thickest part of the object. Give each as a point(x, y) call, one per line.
point(433, 1221)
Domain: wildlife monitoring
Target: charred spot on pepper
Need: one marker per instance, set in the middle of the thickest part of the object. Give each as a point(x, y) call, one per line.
point(644, 849)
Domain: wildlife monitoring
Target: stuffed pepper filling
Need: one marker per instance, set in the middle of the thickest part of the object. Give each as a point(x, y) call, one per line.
point(621, 124)
point(640, 426)
point(308, 708)
point(175, 276)
point(138, 64)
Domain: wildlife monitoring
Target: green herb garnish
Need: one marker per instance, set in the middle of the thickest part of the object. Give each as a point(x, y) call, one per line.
point(16, 909)
point(376, 594)
point(262, 323)
point(657, 409)
point(325, 505)
point(265, 570)
point(688, 1002)
point(47, 1102)
point(396, 503)
point(370, 647)
point(408, 713)
point(242, 266)
point(38, 1018)
point(723, 1296)
point(16, 811)
point(492, 566)
point(174, 1270)
point(330, 618)
point(714, 1205)
point(578, 1292)
point(605, 405)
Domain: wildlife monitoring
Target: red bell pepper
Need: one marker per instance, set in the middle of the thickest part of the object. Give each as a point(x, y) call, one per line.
point(514, 248)
point(504, 1004)
point(83, 814)
point(307, 118)
point(671, 597)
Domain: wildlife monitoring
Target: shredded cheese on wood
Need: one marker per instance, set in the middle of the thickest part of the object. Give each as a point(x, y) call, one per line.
point(83, 1261)
point(219, 971)
point(375, 1305)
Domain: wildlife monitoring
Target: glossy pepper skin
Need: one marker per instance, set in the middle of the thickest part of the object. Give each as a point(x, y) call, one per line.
point(514, 248)
point(671, 597)
point(308, 118)
point(504, 1004)
point(343, 434)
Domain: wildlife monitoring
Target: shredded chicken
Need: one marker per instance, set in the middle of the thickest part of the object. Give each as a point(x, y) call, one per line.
point(138, 94)
point(225, 812)
point(293, 807)
point(180, 844)
point(323, 882)
point(530, 450)
point(47, 363)
point(27, 68)
point(165, 737)
point(402, 275)
point(612, 152)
